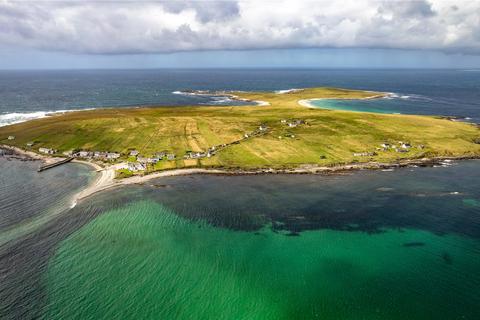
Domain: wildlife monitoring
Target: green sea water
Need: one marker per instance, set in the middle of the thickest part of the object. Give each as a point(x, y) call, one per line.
point(364, 245)
point(144, 261)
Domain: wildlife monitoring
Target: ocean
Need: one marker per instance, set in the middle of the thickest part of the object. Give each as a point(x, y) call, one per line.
point(34, 94)
point(401, 244)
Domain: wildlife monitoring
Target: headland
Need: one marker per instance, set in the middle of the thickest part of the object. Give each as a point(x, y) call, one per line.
point(277, 133)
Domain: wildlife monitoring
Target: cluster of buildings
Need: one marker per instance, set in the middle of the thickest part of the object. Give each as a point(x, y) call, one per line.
point(199, 155)
point(292, 123)
point(141, 162)
point(401, 147)
point(98, 155)
point(158, 156)
point(46, 150)
point(136, 166)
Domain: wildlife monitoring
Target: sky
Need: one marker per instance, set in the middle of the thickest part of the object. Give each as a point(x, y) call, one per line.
point(74, 34)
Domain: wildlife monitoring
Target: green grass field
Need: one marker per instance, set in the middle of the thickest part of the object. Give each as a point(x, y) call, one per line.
point(328, 138)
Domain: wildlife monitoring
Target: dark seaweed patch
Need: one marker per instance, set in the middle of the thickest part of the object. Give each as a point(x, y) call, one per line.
point(447, 258)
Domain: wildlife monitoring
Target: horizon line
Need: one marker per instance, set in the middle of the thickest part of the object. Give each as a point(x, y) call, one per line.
point(240, 68)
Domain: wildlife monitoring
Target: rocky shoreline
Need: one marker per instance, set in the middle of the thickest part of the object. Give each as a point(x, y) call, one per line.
point(314, 169)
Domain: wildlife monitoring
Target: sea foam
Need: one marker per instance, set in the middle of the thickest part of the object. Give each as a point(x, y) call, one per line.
point(18, 117)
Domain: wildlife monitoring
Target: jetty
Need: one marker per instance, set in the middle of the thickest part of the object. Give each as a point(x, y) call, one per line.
point(55, 164)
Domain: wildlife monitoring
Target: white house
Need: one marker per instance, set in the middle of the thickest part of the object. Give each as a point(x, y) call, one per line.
point(364, 154)
point(137, 166)
point(46, 150)
point(100, 154)
point(160, 155)
point(85, 154)
point(113, 155)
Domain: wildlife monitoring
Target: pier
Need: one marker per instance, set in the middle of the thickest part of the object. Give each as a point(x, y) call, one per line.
point(55, 164)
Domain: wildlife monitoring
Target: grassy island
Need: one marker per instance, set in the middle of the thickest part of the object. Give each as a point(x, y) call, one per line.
point(279, 133)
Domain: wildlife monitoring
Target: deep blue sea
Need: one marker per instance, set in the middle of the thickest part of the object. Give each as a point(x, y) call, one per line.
point(32, 94)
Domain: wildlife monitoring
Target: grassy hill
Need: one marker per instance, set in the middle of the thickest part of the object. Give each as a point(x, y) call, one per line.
point(327, 138)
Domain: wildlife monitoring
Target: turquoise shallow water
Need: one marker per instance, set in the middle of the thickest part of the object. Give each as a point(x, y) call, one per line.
point(367, 245)
point(381, 105)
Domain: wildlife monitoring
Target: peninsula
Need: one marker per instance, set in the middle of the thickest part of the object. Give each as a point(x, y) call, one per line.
point(277, 132)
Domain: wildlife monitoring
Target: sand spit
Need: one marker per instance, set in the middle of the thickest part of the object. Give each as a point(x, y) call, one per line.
point(107, 180)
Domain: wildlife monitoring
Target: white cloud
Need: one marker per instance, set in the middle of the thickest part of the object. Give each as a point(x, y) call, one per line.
point(111, 27)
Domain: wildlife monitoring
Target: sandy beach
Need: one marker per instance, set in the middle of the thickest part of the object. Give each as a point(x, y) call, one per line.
point(308, 102)
point(106, 179)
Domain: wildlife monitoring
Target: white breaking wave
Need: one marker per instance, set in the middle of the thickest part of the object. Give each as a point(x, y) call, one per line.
point(390, 95)
point(18, 117)
point(221, 100)
point(393, 95)
point(193, 93)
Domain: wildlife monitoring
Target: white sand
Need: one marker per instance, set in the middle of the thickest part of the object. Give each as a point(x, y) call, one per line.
point(262, 103)
point(106, 179)
point(306, 103)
